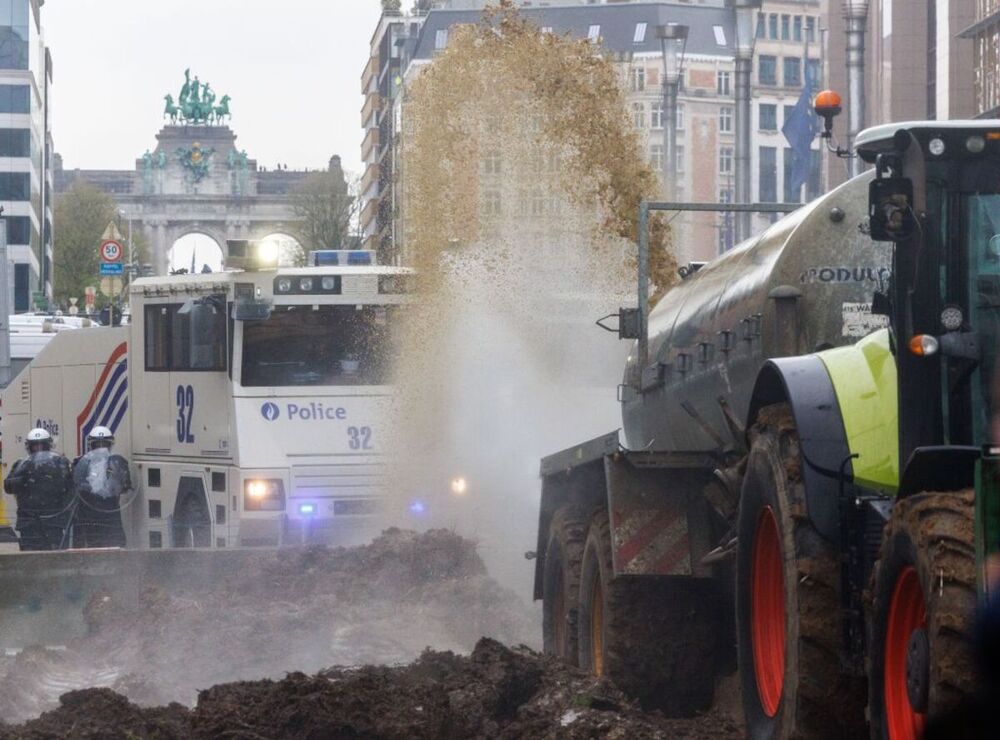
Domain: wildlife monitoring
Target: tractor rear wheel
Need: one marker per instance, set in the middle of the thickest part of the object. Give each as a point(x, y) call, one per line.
point(657, 638)
point(787, 605)
point(561, 582)
point(922, 614)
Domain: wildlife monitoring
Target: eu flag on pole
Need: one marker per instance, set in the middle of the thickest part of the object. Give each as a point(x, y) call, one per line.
point(800, 129)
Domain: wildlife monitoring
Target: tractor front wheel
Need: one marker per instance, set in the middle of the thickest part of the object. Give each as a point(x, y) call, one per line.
point(922, 614)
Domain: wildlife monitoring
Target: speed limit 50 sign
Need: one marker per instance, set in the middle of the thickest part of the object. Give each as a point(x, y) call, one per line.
point(111, 251)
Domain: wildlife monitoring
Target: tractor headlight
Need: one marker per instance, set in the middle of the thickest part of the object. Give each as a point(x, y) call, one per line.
point(284, 285)
point(329, 283)
point(263, 494)
point(951, 318)
point(306, 285)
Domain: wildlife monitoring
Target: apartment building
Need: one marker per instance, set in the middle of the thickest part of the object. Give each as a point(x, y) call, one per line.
point(26, 148)
point(788, 47)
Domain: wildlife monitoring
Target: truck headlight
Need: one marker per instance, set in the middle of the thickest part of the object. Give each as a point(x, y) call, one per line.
point(263, 494)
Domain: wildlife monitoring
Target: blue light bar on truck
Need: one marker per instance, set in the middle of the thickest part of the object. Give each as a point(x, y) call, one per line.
point(337, 257)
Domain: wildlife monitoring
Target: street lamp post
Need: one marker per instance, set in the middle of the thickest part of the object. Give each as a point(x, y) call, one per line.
point(744, 66)
point(673, 43)
point(856, 20)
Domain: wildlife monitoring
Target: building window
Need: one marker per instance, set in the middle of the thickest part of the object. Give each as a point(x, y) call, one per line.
point(594, 33)
point(767, 117)
point(22, 287)
point(15, 186)
point(791, 196)
point(726, 160)
point(441, 39)
point(639, 115)
point(15, 35)
point(491, 204)
point(797, 28)
point(815, 185)
point(15, 99)
point(786, 27)
point(727, 235)
point(793, 72)
point(772, 26)
point(720, 35)
point(761, 26)
point(492, 164)
point(656, 115)
point(767, 70)
point(680, 116)
point(15, 142)
point(815, 70)
point(637, 79)
point(640, 33)
point(18, 229)
point(725, 119)
point(656, 157)
point(678, 159)
point(724, 83)
point(810, 29)
point(768, 182)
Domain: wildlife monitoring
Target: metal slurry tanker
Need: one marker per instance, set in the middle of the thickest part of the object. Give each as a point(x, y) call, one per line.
point(805, 487)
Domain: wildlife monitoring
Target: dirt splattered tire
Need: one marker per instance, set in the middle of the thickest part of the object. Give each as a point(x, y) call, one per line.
point(561, 583)
point(924, 583)
point(656, 638)
point(787, 604)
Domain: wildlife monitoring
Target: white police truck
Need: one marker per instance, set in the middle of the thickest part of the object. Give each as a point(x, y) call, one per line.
point(253, 404)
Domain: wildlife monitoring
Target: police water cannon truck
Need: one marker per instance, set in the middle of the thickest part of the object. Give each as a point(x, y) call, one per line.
point(253, 405)
point(806, 485)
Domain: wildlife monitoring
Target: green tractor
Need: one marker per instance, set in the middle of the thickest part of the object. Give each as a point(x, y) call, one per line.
point(806, 483)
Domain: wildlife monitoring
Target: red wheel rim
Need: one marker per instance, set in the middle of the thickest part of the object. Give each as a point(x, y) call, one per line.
point(767, 613)
point(907, 612)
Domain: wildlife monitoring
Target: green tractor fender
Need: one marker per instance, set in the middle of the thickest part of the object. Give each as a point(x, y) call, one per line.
point(844, 404)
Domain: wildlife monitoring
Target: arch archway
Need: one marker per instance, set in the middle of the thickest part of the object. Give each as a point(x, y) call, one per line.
point(197, 250)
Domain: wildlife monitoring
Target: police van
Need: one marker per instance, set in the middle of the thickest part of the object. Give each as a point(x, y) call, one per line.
point(253, 404)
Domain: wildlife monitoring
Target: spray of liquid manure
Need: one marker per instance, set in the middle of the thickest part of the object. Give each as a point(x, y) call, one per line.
point(521, 177)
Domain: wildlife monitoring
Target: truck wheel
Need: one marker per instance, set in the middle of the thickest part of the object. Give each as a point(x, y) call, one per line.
point(923, 609)
point(561, 582)
point(192, 524)
point(656, 638)
point(787, 607)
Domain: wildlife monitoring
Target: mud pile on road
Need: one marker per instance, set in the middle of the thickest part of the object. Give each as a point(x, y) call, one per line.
point(281, 611)
point(496, 692)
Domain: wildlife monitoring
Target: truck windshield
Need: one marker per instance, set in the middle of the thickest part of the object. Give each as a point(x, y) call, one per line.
point(331, 345)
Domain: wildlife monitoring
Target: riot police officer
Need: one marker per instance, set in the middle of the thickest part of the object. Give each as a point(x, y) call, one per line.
point(100, 479)
point(43, 486)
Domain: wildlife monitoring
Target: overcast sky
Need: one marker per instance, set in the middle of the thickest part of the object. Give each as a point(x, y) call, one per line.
point(292, 67)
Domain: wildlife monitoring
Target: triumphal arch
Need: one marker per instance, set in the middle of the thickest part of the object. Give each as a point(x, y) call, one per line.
point(197, 180)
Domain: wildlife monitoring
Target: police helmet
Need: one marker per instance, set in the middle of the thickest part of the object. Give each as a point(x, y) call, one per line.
point(38, 438)
point(100, 437)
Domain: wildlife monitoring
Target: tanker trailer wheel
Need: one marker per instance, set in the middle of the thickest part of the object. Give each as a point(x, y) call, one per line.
point(192, 524)
point(561, 582)
point(923, 608)
point(656, 638)
point(787, 605)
